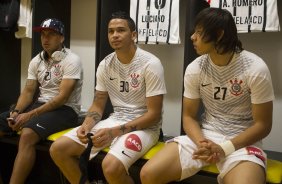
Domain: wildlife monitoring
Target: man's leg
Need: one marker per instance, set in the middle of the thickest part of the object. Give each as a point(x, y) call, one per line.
point(164, 167)
point(114, 171)
point(245, 172)
point(26, 156)
point(65, 153)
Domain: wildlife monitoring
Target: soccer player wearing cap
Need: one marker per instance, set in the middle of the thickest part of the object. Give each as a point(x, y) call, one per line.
point(57, 74)
point(236, 90)
point(133, 79)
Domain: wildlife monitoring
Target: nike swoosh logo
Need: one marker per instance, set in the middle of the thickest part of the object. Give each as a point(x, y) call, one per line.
point(204, 85)
point(40, 126)
point(125, 154)
point(112, 78)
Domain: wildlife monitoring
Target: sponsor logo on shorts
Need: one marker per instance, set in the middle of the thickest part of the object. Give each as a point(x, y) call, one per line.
point(123, 152)
point(256, 151)
point(40, 126)
point(133, 142)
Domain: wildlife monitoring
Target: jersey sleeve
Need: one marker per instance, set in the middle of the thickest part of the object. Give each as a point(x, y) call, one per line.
point(32, 68)
point(191, 81)
point(73, 69)
point(100, 83)
point(154, 78)
point(260, 84)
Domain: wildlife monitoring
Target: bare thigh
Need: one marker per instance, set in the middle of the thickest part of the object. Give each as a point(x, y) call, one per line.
point(245, 172)
point(165, 165)
point(67, 146)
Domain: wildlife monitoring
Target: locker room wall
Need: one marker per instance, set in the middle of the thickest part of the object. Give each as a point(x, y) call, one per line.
point(10, 64)
point(266, 45)
point(43, 9)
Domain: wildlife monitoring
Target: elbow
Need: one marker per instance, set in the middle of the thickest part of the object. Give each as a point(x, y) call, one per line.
point(61, 101)
point(157, 118)
point(267, 129)
point(64, 101)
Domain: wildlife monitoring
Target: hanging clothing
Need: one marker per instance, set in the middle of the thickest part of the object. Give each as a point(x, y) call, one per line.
point(157, 21)
point(251, 16)
point(25, 20)
point(9, 14)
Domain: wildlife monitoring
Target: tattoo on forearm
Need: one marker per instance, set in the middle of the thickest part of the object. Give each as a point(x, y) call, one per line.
point(122, 128)
point(95, 115)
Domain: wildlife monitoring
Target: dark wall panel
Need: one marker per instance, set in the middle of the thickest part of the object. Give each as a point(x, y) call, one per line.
point(43, 9)
point(10, 69)
point(105, 9)
point(193, 8)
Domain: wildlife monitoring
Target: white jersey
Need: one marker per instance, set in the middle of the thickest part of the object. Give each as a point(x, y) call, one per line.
point(50, 74)
point(228, 91)
point(156, 21)
point(250, 15)
point(128, 85)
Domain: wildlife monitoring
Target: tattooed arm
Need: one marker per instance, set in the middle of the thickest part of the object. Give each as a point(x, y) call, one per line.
point(23, 102)
point(27, 94)
point(96, 110)
point(65, 90)
point(151, 117)
point(93, 115)
point(104, 136)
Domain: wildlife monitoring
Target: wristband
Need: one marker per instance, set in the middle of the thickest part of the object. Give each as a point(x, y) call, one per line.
point(227, 147)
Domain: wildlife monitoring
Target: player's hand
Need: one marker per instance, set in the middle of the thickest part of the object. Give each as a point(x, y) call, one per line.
point(16, 122)
point(209, 152)
point(103, 137)
point(82, 132)
point(85, 128)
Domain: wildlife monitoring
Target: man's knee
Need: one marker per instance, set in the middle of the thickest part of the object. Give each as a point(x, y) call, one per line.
point(112, 166)
point(55, 149)
point(146, 175)
point(29, 137)
point(58, 148)
point(64, 147)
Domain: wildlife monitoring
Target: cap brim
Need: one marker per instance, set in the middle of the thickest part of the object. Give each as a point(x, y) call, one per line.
point(39, 29)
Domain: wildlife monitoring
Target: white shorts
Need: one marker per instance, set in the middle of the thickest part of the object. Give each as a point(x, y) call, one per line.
point(127, 148)
point(186, 148)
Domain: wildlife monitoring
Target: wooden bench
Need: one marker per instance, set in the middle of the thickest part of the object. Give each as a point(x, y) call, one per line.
point(273, 173)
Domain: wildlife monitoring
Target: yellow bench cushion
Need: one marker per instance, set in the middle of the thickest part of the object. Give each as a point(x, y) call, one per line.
point(55, 136)
point(273, 173)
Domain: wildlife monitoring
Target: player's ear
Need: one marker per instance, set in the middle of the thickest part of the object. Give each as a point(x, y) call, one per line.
point(62, 39)
point(134, 35)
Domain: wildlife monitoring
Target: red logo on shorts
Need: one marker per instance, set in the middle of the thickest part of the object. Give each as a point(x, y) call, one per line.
point(255, 151)
point(133, 142)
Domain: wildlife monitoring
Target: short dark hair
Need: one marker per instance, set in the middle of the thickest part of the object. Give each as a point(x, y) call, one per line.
point(213, 20)
point(125, 16)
